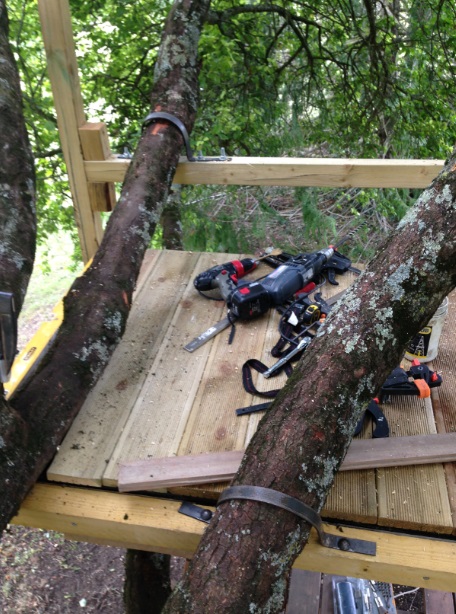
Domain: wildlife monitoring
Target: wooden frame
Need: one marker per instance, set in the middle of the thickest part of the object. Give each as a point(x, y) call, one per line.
point(145, 523)
point(88, 199)
point(92, 169)
point(295, 172)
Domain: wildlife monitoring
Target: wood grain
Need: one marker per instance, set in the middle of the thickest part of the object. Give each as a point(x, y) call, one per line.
point(220, 466)
point(151, 523)
point(63, 73)
point(157, 400)
point(437, 602)
point(83, 455)
point(413, 497)
point(304, 592)
point(161, 411)
point(316, 172)
point(95, 146)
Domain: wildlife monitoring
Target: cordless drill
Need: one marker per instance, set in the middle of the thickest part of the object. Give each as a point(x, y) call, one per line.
point(224, 276)
point(254, 298)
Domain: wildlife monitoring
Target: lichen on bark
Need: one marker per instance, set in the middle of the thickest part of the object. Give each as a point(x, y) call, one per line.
point(303, 438)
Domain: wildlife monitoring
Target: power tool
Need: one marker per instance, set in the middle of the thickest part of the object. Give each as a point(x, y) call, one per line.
point(253, 299)
point(249, 300)
point(224, 276)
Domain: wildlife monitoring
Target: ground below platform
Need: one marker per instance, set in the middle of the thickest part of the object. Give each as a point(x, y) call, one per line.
point(42, 573)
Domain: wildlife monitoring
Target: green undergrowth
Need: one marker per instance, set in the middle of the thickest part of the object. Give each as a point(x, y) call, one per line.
point(53, 273)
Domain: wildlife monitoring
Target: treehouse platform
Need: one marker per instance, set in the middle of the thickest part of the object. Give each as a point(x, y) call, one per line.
point(156, 400)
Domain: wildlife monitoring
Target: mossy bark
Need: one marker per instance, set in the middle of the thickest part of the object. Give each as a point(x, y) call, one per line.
point(245, 556)
point(98, 303)
point(17, 178)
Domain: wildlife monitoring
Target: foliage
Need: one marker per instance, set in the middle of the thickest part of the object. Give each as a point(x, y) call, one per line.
point(353, 78)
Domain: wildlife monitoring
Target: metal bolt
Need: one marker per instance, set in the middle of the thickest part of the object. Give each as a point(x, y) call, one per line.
point(344, 544)
point(206, 515)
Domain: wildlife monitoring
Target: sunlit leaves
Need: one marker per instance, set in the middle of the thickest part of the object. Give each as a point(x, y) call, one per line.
point(346, 78)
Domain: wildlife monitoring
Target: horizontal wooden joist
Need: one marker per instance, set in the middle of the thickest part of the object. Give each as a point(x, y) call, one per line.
point(307, 172)
point(154, 524)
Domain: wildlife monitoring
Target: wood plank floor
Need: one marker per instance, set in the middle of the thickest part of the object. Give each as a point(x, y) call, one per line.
point(155, 399)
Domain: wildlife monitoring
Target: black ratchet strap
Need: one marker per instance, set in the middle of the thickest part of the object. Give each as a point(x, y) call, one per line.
point(278, 499)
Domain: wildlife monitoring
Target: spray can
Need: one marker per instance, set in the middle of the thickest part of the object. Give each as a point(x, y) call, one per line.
point(425, 345)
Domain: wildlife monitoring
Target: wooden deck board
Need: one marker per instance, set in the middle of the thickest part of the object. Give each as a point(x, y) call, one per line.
point(304, 592)
point(155, 399)
point(413, 497)
point(90, 442)
point(213, 425)
point(261, 383)
point(160, 413)
point(443, 398)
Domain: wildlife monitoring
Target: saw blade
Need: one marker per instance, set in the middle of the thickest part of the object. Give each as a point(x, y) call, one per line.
point(208, 334)
point(332, 300)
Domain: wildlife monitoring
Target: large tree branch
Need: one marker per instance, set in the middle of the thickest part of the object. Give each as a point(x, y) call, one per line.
point(216, 17)
point(246, 554)
point(17, 178)
point(97, 305)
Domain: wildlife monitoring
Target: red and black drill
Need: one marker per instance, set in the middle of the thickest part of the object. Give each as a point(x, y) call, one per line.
point(224, 277)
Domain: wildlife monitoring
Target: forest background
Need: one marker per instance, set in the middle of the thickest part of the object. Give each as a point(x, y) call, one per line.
point(345, 79)
point(354, 78)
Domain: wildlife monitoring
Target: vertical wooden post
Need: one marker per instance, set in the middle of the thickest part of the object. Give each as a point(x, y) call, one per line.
point(63, 72)
point(95, 146)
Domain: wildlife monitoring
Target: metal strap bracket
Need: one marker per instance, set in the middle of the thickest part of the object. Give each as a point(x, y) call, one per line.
point(156, 115)
point(273, 497)
point(195, 511)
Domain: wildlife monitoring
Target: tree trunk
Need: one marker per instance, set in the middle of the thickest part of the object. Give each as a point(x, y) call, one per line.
point(245, 556)
point(171, 220)
point(17, 178)
point(17, 208)
point(147, 582)
point(97, 305)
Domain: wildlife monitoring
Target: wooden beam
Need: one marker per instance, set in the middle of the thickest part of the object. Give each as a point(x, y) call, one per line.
point(63, 72)
point(95, 146)
point(316, 172)
point(149, 523)
point(190, 470)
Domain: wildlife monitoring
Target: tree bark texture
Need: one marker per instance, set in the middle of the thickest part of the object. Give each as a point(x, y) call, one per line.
point(98, 303)
point(171, 220)
point(17, 208)
point(147, 582)
point(245, 556)
point(17, 178)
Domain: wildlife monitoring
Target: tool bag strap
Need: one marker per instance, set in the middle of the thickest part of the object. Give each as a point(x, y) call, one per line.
point(257, 365)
